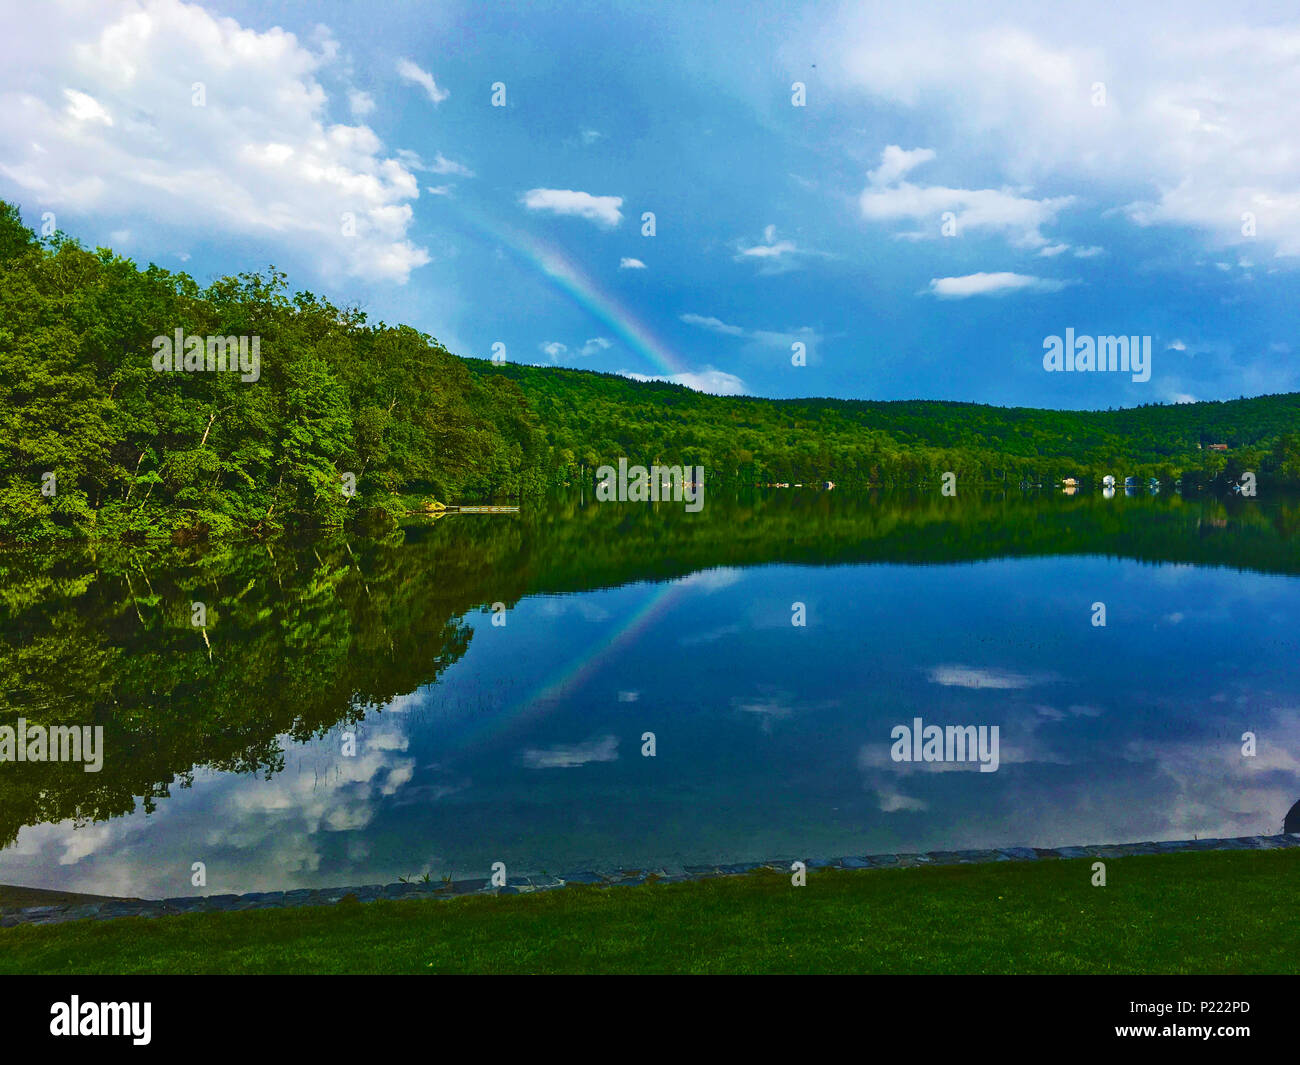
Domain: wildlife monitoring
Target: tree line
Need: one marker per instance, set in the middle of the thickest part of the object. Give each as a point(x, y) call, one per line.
point(591, 418)
point(349, 421)
point(345, 419)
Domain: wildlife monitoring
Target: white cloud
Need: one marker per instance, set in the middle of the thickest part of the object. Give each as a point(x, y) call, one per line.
point(1196, 128)
point(1018, 217)
point(86, 108)
point(714, 382)
point(957, 676)
point(714, 325)
point(772, 338)
point(594, 346)
point(443, 165)
point(438, 190)
point(440, 165)
point(604, 749)
point(776, 256)
point(712, 580)
point(416, 75)
point(998, 284)
point(630, 264)
point(768, 708)
point(259, 160)
point(360, 103)
point(895, 162)
point(766, 338)
point(603, 210)
point(769, 251)
point(892, 801)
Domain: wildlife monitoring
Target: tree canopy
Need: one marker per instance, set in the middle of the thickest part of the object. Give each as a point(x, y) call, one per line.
point(593, 418)
point(96, 441)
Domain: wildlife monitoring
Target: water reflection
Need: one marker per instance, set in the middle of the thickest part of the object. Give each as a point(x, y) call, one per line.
point(523, 742)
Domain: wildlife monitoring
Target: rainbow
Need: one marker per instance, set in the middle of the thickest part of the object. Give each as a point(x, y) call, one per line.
point(565, 681)
point(565, 275)
point(572, 675)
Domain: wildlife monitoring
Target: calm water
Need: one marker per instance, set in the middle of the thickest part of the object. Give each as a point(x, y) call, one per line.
point(522, 743)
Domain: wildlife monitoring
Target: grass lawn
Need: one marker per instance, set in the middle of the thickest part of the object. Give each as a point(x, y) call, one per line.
point(1210, 912)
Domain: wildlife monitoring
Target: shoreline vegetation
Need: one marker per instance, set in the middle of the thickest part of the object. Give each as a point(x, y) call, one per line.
point(346, 423)
point(1198, 912)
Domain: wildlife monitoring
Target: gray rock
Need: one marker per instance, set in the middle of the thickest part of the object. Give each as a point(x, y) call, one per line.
point(943, 857)
point(36, 913)
point(584, 878)
point(263, 898)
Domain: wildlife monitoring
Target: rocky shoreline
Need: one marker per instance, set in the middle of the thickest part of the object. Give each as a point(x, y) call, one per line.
point(110, 909)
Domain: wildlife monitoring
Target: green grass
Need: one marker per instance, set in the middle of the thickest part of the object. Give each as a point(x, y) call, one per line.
point(1211, 912)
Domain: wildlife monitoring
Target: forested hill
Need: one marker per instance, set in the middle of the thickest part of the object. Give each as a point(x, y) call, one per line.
point(137, 403)
point(338, 416)
point(591, 418)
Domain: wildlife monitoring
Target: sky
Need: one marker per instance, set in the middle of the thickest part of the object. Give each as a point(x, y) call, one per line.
point(875, 201)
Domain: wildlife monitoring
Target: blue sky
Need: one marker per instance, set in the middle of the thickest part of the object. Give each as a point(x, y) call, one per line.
point(1095, 169)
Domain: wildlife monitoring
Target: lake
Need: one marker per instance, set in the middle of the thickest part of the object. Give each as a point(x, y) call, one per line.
point(353, 710)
